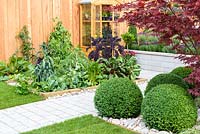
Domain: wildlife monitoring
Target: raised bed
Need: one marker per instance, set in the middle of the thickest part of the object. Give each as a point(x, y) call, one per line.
point(47, 95)
point(156, 61)
point(63, 92)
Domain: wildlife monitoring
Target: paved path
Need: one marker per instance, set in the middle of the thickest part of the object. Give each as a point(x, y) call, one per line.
point(35, 115)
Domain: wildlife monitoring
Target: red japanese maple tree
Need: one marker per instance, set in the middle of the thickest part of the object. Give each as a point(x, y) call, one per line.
point(174, 20)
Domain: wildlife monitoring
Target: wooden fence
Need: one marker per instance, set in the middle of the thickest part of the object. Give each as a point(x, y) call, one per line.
point(37, 15)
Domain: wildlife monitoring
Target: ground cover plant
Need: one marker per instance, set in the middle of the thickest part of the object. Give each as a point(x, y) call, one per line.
point(9, 98)
point(82, 125)
point(157, 16)
point(169, 107)
point(118, 98)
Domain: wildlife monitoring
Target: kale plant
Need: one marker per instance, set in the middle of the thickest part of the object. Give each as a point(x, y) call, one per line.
point(105, 48)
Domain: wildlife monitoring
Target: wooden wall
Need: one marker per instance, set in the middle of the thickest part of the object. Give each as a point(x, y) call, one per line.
point(37, 15)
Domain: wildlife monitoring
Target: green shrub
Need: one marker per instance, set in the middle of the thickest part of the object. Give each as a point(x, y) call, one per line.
point(183, 72)
point(168, 49)
point(191, 131)
point(197, 101)
point(169, 107)
point(133, 30)
point(128, 38)
point(166, 79)
point(118, 98)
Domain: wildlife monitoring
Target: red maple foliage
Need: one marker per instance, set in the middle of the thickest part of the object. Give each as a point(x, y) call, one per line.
point(174, 20)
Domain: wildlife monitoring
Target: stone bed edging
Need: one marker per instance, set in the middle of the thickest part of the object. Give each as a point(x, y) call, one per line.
point(47, 95)
point(77, 90)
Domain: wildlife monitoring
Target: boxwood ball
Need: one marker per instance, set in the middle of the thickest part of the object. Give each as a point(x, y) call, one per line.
point(118, 98)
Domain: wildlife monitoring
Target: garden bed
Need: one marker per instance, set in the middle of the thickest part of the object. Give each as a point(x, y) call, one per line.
point(77, 90)
point(156, 61)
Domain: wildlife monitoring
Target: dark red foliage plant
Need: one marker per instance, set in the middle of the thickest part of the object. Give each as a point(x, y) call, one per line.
point(178, 24)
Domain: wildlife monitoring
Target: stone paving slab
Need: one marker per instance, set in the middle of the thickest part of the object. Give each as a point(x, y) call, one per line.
point(35, 115)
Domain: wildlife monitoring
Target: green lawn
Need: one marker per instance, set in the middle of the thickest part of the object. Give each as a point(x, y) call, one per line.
point(8, 97)
point(82, 125)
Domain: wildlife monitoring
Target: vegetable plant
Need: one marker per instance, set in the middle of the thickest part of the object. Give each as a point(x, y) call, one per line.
point(59, 41)
point(26, 47)
point(45, 68)
point(17, 65)
point(105, 48)
point(122, 66)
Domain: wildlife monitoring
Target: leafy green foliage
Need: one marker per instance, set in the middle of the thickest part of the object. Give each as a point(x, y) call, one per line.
point(25, 81)
point(191, 131)
point(169, 107)
point(23, 88)
point(17, 65)
point(118, 98)
point(166, 79)
point(94, 73)
point(183, 72)
point(45, 68)
point(59, 41)
point(26, 47)
point(133, 30)
point(122, 66)
point(197, 101)
point(153, 48)
point(3, 69)
point(62, 66)
point(146, 39)
point(128, 38)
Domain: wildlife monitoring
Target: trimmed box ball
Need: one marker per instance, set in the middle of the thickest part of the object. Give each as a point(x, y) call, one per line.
point(166, 79)
point(118, 98)
point(183, 72)
point(169, 107)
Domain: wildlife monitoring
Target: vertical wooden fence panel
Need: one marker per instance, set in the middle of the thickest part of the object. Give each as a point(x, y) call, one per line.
point(12, 44)
point(2, 29)
point(36, 23)
point(37, 15)
point(46, 18)
point(5, 25)
point(76, 20)
point(66, 12)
